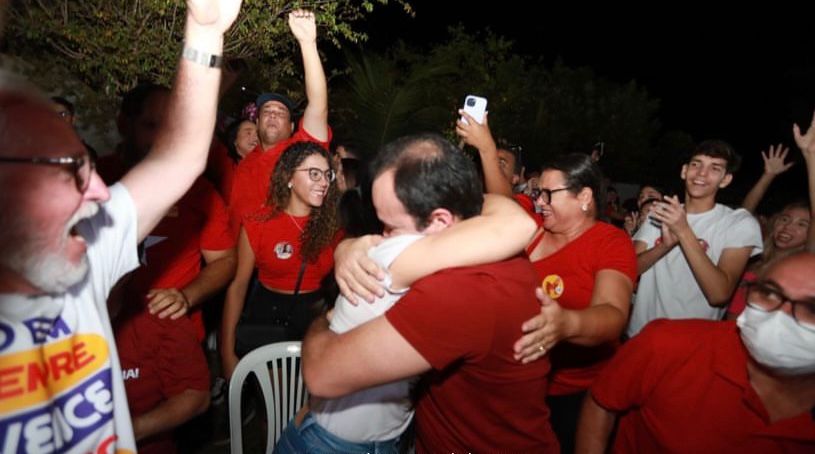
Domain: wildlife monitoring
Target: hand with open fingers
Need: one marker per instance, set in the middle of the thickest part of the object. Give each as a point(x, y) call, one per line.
point(217, 15)
point(671, 213)
point(167, 302)
point(303, 25)
point(774, 160)
point(543, 331)
point(357, 275)
point(473, 133)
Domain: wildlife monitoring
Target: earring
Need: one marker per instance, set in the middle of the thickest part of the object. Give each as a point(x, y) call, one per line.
point(289, 185)
point(585, 207)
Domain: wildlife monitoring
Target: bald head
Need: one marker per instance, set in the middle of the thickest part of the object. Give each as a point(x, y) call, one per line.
point(794, 274)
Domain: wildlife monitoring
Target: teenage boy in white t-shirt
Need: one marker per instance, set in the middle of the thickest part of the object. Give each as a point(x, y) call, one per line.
point(691, 256)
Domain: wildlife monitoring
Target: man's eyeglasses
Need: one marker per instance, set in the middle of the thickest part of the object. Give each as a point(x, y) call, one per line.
point(81, 166)
point(767, 296)
point(315, 174)
point(546, 194)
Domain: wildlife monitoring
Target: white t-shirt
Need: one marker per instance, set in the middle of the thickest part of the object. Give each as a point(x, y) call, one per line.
point(668, 289)
point(382, 412)
point(61, 385)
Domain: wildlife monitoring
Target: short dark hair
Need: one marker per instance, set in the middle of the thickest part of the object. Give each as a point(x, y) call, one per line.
point(431, 173)
point(579, 171)
point(515, 151)
point(718, 149)
point(68, 105)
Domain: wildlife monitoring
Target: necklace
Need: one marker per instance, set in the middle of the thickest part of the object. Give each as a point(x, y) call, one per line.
point(295, 222)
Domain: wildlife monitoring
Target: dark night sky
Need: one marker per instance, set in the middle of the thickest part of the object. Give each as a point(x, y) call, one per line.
point(741, 75)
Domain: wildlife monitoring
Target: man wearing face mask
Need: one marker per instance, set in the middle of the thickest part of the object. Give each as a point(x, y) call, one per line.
point(709, 386)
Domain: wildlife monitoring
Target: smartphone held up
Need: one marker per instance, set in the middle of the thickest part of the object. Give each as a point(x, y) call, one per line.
point(476, 107)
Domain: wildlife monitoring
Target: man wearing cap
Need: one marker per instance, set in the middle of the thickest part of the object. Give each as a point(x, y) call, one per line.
point(712, 386)
point(276, 126)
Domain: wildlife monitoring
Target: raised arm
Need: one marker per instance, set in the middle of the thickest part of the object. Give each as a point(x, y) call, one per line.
point(774, 165)
point(478, 135)
point(501, 231)
point(717, 280)
point(180, 151)
point(806, 143)
point(315, 118)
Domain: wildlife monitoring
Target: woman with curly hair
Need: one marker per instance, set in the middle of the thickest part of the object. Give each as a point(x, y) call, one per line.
point(290, 242)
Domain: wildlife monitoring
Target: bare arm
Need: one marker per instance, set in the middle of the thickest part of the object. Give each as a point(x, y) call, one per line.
point(233, 306)
point(315, 118)
point(174, 303)
point(594, 427)
point(774, 165)
point(171, 413)
point(480, 137)
point(501, 231)
point(716, 280)
point(603, 321)
point(180, 151)
point(806, 143)
point(370, 348)
point(647, 257)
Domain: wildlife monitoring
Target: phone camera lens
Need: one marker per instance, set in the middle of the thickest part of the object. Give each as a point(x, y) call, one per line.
point(471, 102)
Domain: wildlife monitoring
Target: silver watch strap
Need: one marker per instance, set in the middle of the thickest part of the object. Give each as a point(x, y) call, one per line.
point(202, 58)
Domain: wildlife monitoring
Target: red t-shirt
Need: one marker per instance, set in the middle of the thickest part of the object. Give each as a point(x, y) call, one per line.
point(275, 240)
point(464, 322)
point(253, 174)
point(220, 168)
point(171, 254)
point(568, 277)
point(160, 359)
point(682, 386)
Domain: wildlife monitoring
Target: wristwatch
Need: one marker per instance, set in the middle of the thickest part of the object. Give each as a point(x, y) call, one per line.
point(202, 58)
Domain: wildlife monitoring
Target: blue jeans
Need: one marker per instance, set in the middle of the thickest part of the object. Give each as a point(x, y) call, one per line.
point(310, 437)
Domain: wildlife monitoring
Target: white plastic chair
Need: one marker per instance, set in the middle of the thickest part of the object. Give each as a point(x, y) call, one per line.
point(279, 372)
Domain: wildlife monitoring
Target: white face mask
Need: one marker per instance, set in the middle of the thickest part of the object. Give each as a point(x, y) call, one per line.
point(776, 341)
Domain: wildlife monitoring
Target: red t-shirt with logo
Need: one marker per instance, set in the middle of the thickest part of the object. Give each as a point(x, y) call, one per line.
point(275, 241)
point(568, 277)
point(253, 174)
point(171, 254)
point(160, 359)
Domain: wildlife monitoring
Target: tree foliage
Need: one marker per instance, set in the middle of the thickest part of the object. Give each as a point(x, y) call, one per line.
point(112, 44)
point(548, 109)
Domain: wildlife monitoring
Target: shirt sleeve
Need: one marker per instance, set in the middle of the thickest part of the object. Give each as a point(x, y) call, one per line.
point(111, 235)
point(302, 135)
point(628, 379)
point(616, 252)
point(647, 233)
point(744, 231)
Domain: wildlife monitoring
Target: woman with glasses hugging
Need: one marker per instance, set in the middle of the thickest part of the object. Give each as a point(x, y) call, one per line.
point(587, 270)
point(290, 244)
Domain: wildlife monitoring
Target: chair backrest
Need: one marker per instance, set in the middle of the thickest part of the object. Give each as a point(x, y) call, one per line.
point(279, 372)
